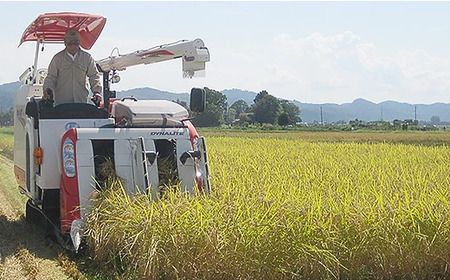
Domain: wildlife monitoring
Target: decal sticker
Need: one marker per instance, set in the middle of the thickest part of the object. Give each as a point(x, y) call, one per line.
point(166, 133)
point(71, 125)
point(155, 53)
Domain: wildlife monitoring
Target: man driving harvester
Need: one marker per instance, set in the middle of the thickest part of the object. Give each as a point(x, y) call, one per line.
point(67, 72)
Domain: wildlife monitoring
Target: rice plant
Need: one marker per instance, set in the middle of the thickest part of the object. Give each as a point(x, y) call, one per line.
point(288, 209)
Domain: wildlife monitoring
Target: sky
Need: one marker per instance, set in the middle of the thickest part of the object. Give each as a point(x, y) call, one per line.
point(312, 52)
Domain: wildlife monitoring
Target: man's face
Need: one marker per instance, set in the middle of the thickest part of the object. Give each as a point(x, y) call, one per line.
point(72, 46)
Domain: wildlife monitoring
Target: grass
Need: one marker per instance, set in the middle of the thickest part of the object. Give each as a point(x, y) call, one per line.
point(289, 208)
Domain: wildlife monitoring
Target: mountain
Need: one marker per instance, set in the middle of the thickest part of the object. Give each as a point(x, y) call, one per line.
point(234, 95)
point(368, 111)
point(359, 109)
point(7, 93)
point(153, 94)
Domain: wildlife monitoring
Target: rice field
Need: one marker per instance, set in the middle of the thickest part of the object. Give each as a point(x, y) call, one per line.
point(7, 142)
point(288, 208)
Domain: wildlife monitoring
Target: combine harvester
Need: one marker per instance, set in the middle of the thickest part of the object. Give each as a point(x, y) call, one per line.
point(59, 151)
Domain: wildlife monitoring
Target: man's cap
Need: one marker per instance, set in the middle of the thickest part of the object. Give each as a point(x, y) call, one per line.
point(71, 35)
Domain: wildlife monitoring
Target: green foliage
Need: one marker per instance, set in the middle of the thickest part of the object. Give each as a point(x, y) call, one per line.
point(266, 108)
point(239, 107)
point(292, 110)
point(283, 119)
point(7, 118)
point(230, 115)
point(260, 96)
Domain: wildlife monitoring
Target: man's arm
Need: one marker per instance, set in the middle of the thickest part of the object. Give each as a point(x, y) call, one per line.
point(50, 80)
point(94, 77)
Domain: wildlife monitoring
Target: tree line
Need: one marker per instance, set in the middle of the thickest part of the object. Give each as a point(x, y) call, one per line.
point(266, 109)
point(7, 117)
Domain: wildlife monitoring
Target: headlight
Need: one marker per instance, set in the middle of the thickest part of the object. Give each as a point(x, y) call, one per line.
point(69, 158)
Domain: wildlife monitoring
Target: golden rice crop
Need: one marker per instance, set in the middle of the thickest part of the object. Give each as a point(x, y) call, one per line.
point(7, 142)
point(288, 209)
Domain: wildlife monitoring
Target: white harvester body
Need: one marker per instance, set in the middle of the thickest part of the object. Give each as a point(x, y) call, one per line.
point(59, 151)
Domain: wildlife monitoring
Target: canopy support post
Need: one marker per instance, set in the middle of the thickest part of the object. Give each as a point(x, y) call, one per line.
point(36, 59)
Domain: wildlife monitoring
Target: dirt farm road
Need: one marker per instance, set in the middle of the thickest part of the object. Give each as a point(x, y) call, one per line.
point(24, 254)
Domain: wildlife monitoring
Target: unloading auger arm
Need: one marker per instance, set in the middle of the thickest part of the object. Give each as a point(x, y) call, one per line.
point(193, 53)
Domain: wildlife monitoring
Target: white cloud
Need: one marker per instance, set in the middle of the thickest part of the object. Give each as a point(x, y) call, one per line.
point(340, 68)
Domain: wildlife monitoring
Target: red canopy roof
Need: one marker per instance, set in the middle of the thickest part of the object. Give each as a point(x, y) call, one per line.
point(51, 27)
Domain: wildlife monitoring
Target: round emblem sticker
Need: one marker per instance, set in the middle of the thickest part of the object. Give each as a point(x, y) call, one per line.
point(71, 125)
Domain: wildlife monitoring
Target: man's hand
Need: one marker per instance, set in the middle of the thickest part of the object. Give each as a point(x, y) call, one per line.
point(48, 94)
point(47, 99)
point(96, 98)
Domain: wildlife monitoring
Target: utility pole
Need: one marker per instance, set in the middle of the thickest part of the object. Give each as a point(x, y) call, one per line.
point(381, 114)
point(321, 116)
point(415, 113)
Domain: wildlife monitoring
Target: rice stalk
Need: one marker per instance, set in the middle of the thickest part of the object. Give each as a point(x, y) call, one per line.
point(288, 209)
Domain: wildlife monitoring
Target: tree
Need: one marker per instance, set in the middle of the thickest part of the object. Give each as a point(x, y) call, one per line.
point(243, 118)
point(292, 110)
point(260, 96)
point(230, 115)
point(239, 107)
point(283, 119)
point(435, 120)
point(7, 118)
point(266, 108)
point(216, 107)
